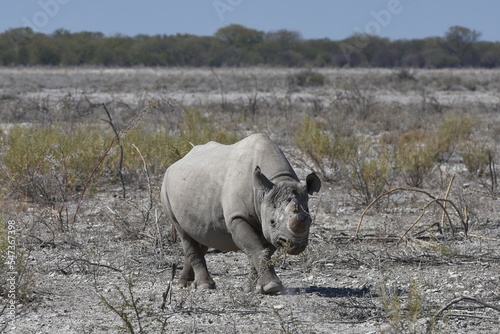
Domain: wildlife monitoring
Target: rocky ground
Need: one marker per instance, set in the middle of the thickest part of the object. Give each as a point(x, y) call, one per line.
point(107, 272)
point(110, 269)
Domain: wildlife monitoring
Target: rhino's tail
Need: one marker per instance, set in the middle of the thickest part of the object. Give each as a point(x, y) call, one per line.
point(173, 233)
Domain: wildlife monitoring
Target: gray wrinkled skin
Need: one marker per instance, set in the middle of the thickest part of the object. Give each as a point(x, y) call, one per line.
point(244, 196)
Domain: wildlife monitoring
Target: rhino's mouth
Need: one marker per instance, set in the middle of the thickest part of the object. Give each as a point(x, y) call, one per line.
point(291, 247)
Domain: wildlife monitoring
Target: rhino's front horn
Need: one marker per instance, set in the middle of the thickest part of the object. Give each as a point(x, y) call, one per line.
point(299, 225)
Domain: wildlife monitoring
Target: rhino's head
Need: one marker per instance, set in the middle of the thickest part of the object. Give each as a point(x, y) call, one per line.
point(284, 212)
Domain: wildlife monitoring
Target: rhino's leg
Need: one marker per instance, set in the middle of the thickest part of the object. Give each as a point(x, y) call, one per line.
point(195, 271)
point(187, 275)
point(261, 271)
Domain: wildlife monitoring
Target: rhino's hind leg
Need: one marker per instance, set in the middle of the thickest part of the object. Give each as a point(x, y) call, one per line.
point(187, 275)
point(195, 271)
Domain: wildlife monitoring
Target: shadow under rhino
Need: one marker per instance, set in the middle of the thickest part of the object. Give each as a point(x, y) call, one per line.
point(330, 292)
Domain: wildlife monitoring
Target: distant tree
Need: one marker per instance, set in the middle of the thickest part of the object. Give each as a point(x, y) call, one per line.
point(239, 36)
point(13, 46)
point(411, 53)
point(282, 48)
point(460, 42)
point(377, 52)
point(44, 50)
point(319, 52)
point(236, 45)
point(489, 54)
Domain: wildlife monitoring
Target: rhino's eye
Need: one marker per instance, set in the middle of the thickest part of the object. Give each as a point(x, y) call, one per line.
point(273, 222)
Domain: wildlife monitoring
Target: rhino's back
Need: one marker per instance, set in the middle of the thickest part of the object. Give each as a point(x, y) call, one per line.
point(213, 184)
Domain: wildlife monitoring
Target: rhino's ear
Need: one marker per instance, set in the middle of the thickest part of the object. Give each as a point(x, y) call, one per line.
point(313, 183)
point(260, 181)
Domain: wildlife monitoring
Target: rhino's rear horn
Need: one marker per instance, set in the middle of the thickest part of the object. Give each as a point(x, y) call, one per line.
point(293, 206)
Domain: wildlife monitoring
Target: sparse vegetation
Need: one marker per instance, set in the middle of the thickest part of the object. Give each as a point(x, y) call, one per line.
point(130, 309)
point(50, 164)
point(369, 171)
point(475, 156)
point(452, 132)
point(369, 134)
point(416, 154)
point(306, 78)
point(46, 163)
point(402, 318)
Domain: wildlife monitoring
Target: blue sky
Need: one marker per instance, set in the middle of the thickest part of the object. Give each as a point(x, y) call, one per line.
point(333, 19)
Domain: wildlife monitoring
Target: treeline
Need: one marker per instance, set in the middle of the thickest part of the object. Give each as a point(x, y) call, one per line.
point(236, 45)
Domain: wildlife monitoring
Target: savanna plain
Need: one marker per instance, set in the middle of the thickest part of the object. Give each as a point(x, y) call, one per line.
point(406, 228)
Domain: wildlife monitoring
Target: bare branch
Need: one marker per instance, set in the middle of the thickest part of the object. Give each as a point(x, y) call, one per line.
point(458, 300)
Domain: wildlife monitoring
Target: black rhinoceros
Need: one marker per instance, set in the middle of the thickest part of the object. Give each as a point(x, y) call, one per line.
point(244, 196)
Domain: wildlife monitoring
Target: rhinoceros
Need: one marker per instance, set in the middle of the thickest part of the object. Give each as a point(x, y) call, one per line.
point(244, 196)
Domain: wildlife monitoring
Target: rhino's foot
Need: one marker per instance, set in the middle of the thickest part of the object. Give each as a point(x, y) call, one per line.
point(270, 288)
point(184, 283)
point(209, 285)
point(196, 285)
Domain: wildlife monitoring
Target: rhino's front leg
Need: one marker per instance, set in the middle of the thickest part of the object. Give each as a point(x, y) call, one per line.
point(248, 240)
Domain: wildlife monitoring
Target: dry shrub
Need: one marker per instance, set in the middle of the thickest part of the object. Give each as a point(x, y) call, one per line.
point(365, 169)
point(370, 171)
point(330, 151)
point(42, 163)
point(402, 318)
point(312, 139)
point(48, 164)
point(475, 156)
point(161, 149)
point(306, 78)
point(452, 130)
point(479, 158)
point(415, 155)
point(353, 101)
